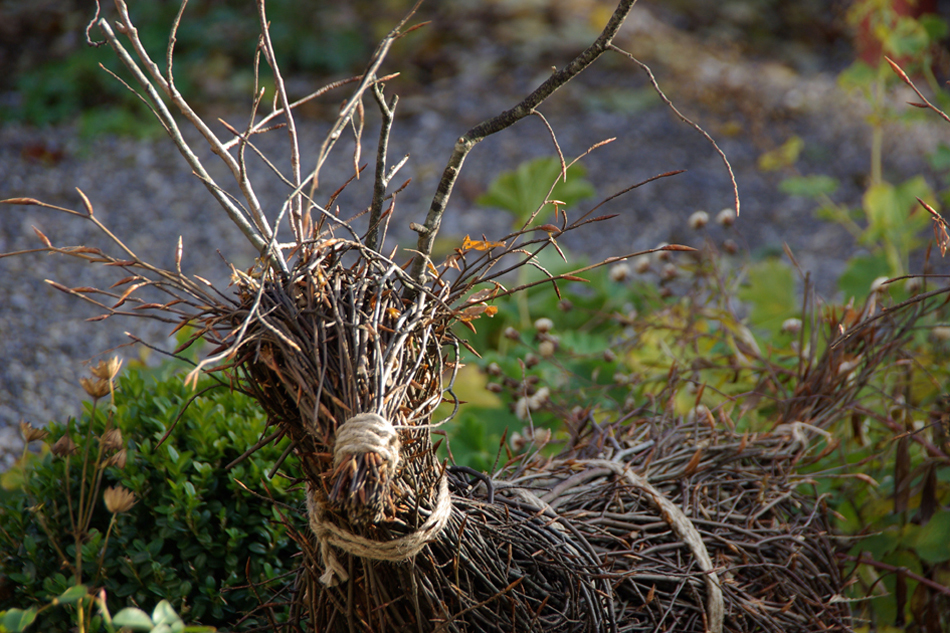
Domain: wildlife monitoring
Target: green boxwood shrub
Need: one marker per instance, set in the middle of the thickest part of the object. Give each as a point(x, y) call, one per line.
point(195, 536)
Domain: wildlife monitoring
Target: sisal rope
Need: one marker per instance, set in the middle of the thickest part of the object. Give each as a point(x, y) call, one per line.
point(365, 433)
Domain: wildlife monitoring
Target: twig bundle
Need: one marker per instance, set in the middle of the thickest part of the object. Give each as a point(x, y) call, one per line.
point(675, 526)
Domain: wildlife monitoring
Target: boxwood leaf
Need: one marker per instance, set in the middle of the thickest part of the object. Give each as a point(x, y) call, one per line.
point(133, 618)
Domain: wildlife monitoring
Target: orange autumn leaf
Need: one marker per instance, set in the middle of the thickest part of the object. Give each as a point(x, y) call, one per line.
point(468, 244)
point(473, 312)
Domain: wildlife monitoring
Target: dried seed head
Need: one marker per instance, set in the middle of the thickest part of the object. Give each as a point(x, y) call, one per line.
point(547, 348)
point(620, 272)
point(540, 435)
point(666, 292)
point(96, 389)
point(543, 325)
point(879, 284)
point(118, 499)
point(730, 246)
point(609, 355)
point(64, 446)
point(118, 460)
point(670, 271)
point(107, 369)
point(530, 360)
point(112, 440)
point(521, 408)
point(517, 442)
point(941, 333)
point(641, 264)
point(792, 326)
point(493, 369)
point(494, 387)
point(564, 305)
point(699, 413)
point(914, 285)
point(698, 220)
point(726, 217)
point(512, 333)
point(30, 433)
point(539, 398)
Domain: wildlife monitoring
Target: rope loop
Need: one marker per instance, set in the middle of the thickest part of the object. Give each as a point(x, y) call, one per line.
point(365, 433)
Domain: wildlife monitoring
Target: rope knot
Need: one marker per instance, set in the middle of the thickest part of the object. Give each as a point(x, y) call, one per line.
point(367, 433)
point(365, 461)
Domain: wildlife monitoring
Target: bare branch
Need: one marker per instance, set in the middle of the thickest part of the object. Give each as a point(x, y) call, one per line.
point(900, 73)
point(557, 146)
point(296, 203)
point(260, 125)
point(263, 233)
point(387, 111)
point(684, 119)
point(465, 144)
point(368, 78)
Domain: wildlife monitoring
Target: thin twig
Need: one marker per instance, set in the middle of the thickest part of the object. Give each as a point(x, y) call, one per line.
point(684, 119)
point(428, 231)
point(388, 111)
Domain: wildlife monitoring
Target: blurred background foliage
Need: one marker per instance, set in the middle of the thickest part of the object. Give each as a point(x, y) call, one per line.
point(49, 75)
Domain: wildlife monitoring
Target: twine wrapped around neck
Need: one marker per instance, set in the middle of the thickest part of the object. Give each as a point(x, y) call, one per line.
point(364, 433)
point(367, 433)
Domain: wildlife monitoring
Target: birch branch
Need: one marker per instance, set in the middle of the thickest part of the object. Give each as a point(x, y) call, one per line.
point(428, 231)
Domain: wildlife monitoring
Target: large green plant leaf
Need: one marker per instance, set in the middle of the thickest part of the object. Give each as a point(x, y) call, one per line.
point(894, 215)
point(860, 273)
point(771, 292)
point(932, 541)
point(522, 191)
point(809, 186)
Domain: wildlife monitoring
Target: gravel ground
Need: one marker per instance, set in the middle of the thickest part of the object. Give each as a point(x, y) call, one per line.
point(145, 194)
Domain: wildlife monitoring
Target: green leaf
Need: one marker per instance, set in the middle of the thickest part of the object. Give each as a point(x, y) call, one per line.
point(857, 76)
point(783, 156)
point(940, 159)
point(932, 541)
point(809, 186)
point(879, 545)
point(522, 191)
point(133, 618)
point(72, 594)
point(935, 26)
point(860, 273)
point(16, 620)
point(771, 291)
point(164, 613)
point(628, 101)
point(907, 39)
point(14, 478)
